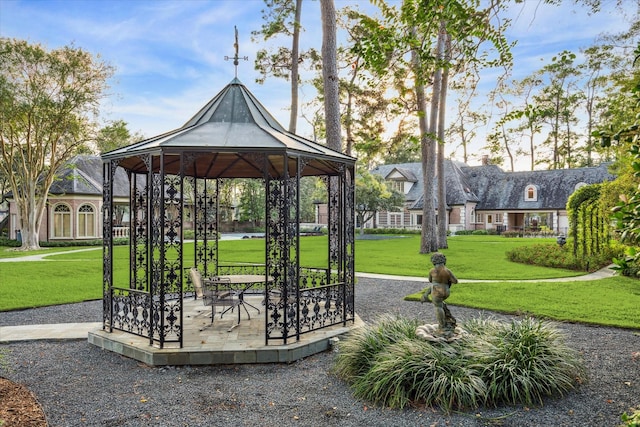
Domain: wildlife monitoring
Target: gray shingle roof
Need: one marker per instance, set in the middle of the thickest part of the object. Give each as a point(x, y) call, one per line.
point(82, 175)
point(458, 189)
point(497, 189)
point(494, 189)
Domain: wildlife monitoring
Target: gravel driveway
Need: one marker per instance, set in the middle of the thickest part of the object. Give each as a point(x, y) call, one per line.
point(81, 385)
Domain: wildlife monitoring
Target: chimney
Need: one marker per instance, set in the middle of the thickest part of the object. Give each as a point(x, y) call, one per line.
point(485, 160)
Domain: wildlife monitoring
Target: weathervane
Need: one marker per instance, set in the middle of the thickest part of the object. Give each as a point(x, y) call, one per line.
point(236, 58)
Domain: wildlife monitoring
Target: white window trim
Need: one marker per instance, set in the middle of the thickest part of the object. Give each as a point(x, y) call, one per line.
point(527, 189)
point(95, 225)
point(53, 221)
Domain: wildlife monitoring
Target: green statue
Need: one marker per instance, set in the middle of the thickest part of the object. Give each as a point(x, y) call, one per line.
point(441, 279)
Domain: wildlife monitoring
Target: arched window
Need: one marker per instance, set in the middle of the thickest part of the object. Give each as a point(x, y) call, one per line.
point(579, 185)
point(61, 221)
point(86, 221)
point(531, 193)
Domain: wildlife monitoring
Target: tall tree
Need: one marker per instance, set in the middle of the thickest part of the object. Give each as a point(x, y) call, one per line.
point(282, 18)
point(429, 236)
point(444, 54)
point(599, 61)
point(519, 120)
point(48, 100)
point(467, 119)
point(404, 40)
point(532, 118)
point(561, 97)
point(365, 109)
point(330, 75)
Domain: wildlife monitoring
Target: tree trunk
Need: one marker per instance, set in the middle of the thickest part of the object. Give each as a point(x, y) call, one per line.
point(295, 53)
point(443, 49)
point(349, 114)
point(429, 237)
point(30, 213)
point(505, 141)
point(330, 75)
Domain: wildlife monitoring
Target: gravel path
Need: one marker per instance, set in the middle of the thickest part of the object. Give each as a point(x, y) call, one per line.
point(80, 385)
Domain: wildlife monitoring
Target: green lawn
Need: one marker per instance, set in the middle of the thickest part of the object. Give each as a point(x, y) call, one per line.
point(612, 302)
point(74, 277)
point(469, 257)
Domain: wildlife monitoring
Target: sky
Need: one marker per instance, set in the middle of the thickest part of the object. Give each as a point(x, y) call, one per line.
point(169, 55)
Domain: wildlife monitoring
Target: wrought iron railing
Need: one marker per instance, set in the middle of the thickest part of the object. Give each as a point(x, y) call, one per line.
point(131, 311)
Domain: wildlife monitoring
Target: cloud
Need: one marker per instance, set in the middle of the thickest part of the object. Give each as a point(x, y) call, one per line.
point(170, 55)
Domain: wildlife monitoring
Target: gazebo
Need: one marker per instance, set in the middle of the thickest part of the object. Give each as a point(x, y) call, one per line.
point(232, 136)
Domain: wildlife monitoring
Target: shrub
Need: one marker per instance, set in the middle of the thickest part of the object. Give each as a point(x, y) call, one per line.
point(511, 234)
point(479, 232)
point(516, 363)
point(415, 370)
point(10, 243)
point(390, 231)
point(555, 256)
point(627, 266)
point(631, 420)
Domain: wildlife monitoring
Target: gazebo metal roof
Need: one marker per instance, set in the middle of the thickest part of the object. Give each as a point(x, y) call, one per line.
point(230, 127)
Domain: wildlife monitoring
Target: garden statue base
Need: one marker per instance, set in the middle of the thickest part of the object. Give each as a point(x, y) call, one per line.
point(433, 333)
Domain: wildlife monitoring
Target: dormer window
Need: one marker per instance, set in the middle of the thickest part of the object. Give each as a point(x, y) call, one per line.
point(401, 180)
point(397, 185)
point(531, 193)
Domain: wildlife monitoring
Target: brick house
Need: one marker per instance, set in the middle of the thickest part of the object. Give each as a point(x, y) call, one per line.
point(486, 197)
point(74, 205)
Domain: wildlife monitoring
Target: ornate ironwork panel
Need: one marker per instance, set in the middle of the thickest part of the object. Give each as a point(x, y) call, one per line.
point(302, 299)
point(282, 238)
point(132, 311)
point(155, 246)
point(206, 225)
point(335, 223)
point(108, 172)
point(169, 305)
point(349, 242)
point(138, 234)
point(151, 304)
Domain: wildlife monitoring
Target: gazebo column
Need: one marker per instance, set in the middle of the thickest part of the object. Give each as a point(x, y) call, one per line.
point(108, 173)
point(170, 289)
point(282, 255)
point(341, 238)
point(348, 214)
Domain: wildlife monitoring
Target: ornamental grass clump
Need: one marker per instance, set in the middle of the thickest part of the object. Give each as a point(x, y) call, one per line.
point(524, 361)
point(495, 363)
point(358, 352)
point(413, 370)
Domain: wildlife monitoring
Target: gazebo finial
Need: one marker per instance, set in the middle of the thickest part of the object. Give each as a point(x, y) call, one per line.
point(236, 58)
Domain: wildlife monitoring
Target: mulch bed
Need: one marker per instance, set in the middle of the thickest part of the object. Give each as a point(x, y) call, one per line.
point(19, 407)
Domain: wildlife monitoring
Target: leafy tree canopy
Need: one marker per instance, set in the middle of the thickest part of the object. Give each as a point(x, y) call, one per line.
point(374, 195)
point(49, 100)
point(115, 135)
